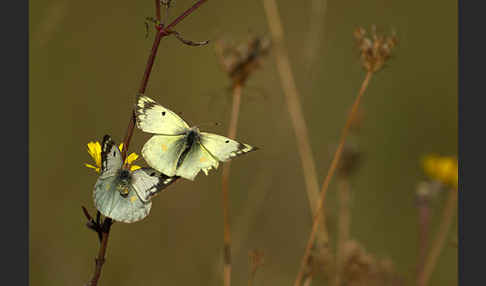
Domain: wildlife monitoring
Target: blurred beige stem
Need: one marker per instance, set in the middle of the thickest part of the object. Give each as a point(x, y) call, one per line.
point(314, 36)
point(439, 241)
point(295, 112)
point(344, 223)
point(225, 187)
point(329, 176)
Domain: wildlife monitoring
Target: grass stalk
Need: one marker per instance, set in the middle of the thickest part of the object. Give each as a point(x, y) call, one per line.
point(344, 225)
point(439, 241)
point(295, 111)
point(330, 174)
point(235, 110)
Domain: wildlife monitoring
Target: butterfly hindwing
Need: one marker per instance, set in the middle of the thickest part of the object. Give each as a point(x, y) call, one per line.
point(223, 148)
point(196, 159)
point(147, 182)
point(154, 118)
point(111, 160)
point(162, 152)
point(111, 204)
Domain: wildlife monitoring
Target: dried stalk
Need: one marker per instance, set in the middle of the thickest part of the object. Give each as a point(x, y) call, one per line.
point(225, 187)
point(296, 114)
point(424, 225)
point(439, 241)
point(316, 26)
point(344, 223)
point(329, 176)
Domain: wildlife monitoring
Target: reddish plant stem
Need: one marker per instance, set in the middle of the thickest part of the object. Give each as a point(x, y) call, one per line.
point(100, 260)
point(157, 10)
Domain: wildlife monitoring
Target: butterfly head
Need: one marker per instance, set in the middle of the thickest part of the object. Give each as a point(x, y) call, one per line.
point(124, 179)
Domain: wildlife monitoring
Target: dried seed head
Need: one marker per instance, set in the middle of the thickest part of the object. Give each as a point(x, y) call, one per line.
point(239, 61)
point(362, 268)
point(256, 260)
point(376, 49)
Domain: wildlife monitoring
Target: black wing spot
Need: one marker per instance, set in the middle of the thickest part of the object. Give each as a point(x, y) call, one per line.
point(163, 113)
point(227, 141)
point(114, 153)
point(153, 174)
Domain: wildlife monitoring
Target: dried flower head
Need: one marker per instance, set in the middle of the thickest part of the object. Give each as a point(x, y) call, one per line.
point(362, 268)
point(256, 259)
point(350, 159)
point(94, 150)
point(375, 49)
point(239, 61)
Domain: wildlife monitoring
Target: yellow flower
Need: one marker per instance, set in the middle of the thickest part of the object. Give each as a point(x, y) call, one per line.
point(443, 169)
point(94, 150)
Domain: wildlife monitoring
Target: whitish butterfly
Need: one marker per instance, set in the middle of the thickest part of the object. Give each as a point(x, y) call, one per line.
point(121, 194)
point(177, 149)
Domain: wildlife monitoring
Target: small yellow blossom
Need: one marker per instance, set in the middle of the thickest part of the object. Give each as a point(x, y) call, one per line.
point(441, 168)
point(94, 150)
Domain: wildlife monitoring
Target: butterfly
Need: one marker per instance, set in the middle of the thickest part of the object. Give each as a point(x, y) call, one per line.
point(121, 194)
point(177, 149)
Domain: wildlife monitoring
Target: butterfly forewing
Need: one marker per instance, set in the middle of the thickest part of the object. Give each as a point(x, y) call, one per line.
point(154, 118)
point(223, 148)
point(111, 160)
point(147, 182)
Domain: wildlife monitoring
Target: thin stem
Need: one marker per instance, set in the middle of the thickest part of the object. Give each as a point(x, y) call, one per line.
point(424, 225)
point(225, 187)
point(185, 14)
point(295, 112)
point(157, 10)
point(329, 176)
point(100, 260)
point(344, 223)
point(439, 241)
point(314, 37)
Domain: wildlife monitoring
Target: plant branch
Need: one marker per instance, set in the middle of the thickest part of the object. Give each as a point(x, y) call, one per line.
point(439, 241)
point(344, 222)
point(225, 187)
point(295, 112)
point(424, 225)
point(329, 176)
point(100, 260)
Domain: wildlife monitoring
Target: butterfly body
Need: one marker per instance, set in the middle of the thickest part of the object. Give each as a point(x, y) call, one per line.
point(125, 195)
point(176, 149)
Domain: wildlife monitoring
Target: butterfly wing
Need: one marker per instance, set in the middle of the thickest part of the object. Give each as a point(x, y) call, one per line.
point(162, 152)
point(154, 118)
point(196, 159)
point(223, 148)
point(111, 159)
point(147, 182)
point(111, 204)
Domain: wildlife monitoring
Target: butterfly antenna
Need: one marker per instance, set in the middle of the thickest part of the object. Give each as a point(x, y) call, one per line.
point(209, 124)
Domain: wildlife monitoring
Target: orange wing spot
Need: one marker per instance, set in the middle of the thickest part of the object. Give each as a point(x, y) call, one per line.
point(133, 198)
point(203, 159)
point(164, 147)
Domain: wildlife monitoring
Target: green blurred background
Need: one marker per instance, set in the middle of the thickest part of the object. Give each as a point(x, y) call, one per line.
point(86, 63)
